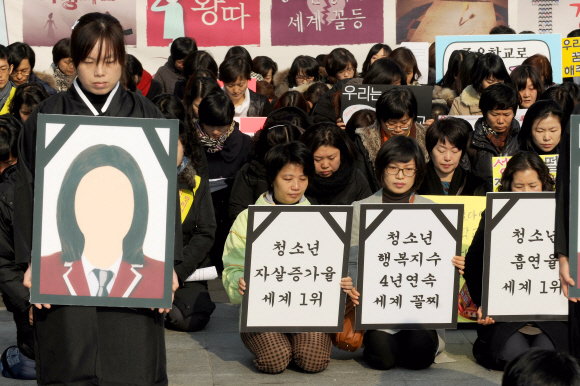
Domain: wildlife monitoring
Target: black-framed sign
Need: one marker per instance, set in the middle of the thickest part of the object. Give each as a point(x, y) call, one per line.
point(104, 213)
point(296, 256)
point(405, 276)
point(574, 229)
point(364, 96)
point(520, 272)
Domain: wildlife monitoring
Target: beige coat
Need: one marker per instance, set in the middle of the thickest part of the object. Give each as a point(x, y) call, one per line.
point(467, 103)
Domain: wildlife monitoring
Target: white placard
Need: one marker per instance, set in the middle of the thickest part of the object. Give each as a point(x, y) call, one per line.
point(406, 277)
point(521, 274)
point(296, 256)
point(421, 52)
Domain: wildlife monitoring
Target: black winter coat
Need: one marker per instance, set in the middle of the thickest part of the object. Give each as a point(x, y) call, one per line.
point(324, 111)
point(481, 151)
point(250, 183)
point(259, 105)
point(463, 183)
point(356, 189)
point(491, 338)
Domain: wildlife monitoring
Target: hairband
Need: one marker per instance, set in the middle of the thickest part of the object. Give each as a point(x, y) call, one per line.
point(75, 24)
point(270, 128)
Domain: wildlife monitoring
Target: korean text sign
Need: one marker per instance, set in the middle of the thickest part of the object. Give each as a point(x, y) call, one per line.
point(513, 49)
point(520, 273)
point(571, 57)
point(405, 275)
point(295, 258)
point(499, 164)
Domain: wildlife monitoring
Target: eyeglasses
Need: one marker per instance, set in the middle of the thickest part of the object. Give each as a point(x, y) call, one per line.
point(302, 77)
point(408, 172)
point(25, 72)
point(404, 126)
point(348, 70)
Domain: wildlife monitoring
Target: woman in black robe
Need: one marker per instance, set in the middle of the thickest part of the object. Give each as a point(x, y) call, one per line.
point(90, 345)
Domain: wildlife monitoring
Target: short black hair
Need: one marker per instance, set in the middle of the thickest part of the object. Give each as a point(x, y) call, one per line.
point(272, 134)
point(539, 110)
point(372, 52)
point(395, 103)
point(263, 64)
point(29, 94)
point(9, 131)
point(20, 51)
point(499, 96)
point(454, 130)
point(61, 50)
point(181, 47)
point(489, 65)
point(385, 71)
point(198, 60)
point(292, 98)
point(574, 33)
point(542, 368)
point(294, 115)
point(233, 68)
point(573, 90)
point(466, 68)
point(401, 149)
point(170, 106)
point(315, 91)
point(522, 161)
point(502, 30)
point(71, 237)
point(197, 88)
point(520, 76)
point(305, 64)
point(241, 52)
point(406, 59)
point(338, 60)
point(452, 73)
point(527, 32)
point(561, 95)
point(288, 153)
point(133, 67)
point(438, 109)
point(4, 53)
point(329, 134)
point(216, 110)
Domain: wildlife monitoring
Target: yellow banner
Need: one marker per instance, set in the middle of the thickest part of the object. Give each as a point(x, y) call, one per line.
point(499, 164)
point(570, 57)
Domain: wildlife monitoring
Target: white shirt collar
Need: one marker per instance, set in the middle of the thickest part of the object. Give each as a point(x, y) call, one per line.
point(88, 102)
point(93, 281)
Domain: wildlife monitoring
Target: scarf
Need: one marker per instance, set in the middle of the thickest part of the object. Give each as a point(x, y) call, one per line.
point(392, 198)
point(497, 140)
point(5, 93)
point(324, 189)
point(212, 145)
point(411, 133)
point(270, 199)
point(432, 184)
point(183, 164)
point(145, 83)
point(63, 81)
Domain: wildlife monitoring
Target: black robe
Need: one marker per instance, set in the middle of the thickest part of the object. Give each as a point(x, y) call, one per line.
point(89, 345)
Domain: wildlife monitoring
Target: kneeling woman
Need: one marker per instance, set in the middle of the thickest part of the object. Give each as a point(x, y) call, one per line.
point(289, 167)
point(400, 167)
point(497, 344)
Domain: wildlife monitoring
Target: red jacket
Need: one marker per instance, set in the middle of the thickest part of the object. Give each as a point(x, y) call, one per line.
point(58, 278)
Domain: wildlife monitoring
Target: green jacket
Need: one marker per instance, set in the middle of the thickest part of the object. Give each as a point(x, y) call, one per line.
point(235, 252)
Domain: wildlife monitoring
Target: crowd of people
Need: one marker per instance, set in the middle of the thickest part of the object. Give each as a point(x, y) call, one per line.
point(303, 155)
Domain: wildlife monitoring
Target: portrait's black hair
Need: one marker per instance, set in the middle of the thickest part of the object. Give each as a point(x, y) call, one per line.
point(466, 68)
point(560, 95)
point(197, 88)
point(320, 59)
point(133, 67)
point(573, 89)
point(199, 60)
point(306, 65)
point(372, 52)
point(263, 64)
point(360, 119)
point(329, 134)
point(295, 153)
point(454, 130)
point(233, 68)
point(537, 367)
point(452, 73)
point(241, 52)
point(71, 237)
point(499, 96)
point(502, 30)
point(272, 134)
point(20, 51)
point(4, 53)
point(520, 76)
point(9, 131)
point(181, 47)
point(292, 98)
point(385, 71)
point(338, 60)
point(216, 110)
point(406, 59)
point(489, 65)
point(401, 150)
point(538, 111)
point(29, 94)
point(522, 161)
point(314, 92)
point(395, 103)
point(61, 50)
point(438, 109)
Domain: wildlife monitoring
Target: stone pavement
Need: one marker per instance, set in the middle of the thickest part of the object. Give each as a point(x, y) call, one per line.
point(217, 356)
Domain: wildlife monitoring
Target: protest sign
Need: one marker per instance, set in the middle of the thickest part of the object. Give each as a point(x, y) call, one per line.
point(513, 49)
point(405, 275)
point(365, 96)
point(520, 272)
point(101, 182)
point(295, 258)
point(548, 16)
point(574, 230)
point(571, 57)
point(499, 163)
point(250, 125)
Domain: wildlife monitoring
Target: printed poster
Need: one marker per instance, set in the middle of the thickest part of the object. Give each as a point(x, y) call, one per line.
point(499, 164)
point(549, 16)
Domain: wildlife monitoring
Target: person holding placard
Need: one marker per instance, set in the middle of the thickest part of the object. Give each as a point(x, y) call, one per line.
point(499, 343)
point(336, 181)
point(542, 128)
point(528, 83)
point(496, 133)
point(446, 141)
point(396, 115)
point(489, 70)
point(289, 168)
point(400, 167)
